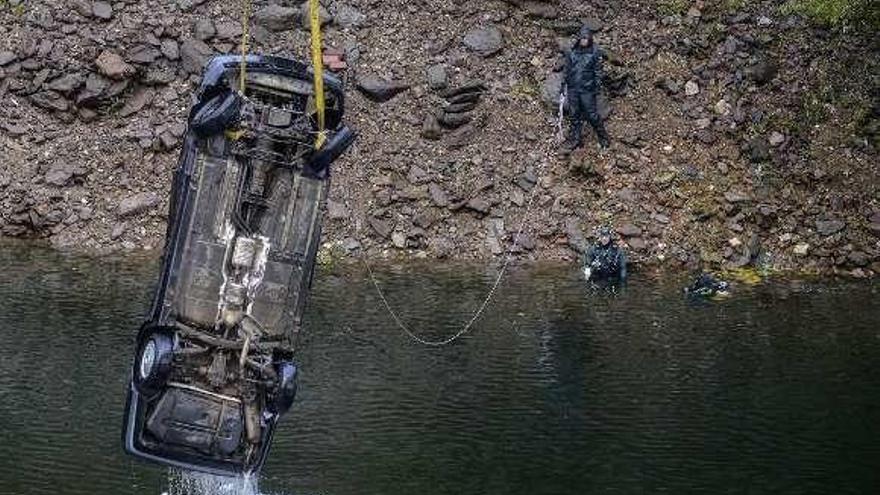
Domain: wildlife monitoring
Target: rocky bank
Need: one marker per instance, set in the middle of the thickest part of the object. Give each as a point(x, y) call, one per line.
point(743, 134)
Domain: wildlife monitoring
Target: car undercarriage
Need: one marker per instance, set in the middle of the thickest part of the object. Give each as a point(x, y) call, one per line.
point(213, 369)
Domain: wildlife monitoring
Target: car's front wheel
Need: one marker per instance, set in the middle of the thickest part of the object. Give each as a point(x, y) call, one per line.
point(153, 363)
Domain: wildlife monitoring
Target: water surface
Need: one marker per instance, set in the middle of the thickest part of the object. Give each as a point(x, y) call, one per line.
point(558, 389)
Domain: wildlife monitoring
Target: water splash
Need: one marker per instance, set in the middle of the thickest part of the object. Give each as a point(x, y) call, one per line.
point(190, 483)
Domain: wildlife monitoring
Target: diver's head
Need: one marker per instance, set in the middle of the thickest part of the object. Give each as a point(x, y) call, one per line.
point(585, 37)
point(604, 235)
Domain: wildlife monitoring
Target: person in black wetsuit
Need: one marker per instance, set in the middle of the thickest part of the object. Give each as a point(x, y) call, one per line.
point(708, 287)
point(605, 260)
point(582, 83)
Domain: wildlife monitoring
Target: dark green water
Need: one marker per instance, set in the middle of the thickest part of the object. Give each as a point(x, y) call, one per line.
point(557, 391)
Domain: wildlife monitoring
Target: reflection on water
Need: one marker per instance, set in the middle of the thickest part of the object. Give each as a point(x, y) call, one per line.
point(557, 390)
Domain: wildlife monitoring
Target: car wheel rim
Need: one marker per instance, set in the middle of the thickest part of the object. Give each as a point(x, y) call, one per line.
point(148, 359)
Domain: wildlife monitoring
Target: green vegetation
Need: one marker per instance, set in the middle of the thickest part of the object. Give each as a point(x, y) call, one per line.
point(837, 12)
point(17, 7)
point(674, 7)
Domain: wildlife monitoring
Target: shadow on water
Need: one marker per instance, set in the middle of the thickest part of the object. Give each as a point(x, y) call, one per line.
point(558, 389)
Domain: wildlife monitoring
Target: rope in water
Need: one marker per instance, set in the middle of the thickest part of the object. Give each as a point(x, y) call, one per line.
point(489, 296)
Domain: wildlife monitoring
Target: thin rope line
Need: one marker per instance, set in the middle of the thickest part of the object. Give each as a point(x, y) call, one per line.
point(467, 327)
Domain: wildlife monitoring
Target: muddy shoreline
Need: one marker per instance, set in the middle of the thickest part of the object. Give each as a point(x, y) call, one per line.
point(743, 136)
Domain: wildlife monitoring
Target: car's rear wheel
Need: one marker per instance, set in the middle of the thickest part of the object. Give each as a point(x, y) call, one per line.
point(153, 362)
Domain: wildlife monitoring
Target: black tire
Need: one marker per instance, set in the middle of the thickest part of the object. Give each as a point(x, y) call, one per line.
point(285, 391)
point(152, 365)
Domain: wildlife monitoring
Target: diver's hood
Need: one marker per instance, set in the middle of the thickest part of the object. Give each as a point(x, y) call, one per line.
point(585, 33)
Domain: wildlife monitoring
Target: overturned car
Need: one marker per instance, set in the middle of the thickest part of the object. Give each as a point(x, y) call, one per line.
point(213, 370)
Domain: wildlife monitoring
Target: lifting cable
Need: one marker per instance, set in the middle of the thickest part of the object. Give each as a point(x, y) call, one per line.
point(317, 69)
point(320, 104)
point(245, 35)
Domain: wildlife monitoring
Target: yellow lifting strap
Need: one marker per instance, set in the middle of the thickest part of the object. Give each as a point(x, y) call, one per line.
point(317, 69)
point(245, 25)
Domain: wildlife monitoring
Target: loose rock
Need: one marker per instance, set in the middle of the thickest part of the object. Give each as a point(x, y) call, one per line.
point(137, 203)
point(112, 66)
point(484, 41)
point(380, 90)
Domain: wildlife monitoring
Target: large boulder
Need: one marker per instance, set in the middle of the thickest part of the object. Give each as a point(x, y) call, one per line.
point(194, 54)
point(484, 41)
point(276, 18)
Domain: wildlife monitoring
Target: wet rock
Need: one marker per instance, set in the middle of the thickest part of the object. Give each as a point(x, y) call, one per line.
point(380, 90)
point(137, 203)
point(380, 226)
point(276, 18)
point(829, 227)
point(113, 66)
point(763, 71)
point(437, 78)
point(102, 10)
point(431, 128)
point(203, 30)
point(170, 49)
point(484, 41)
point(7, 58)
point(140, 99)
point(194, 54)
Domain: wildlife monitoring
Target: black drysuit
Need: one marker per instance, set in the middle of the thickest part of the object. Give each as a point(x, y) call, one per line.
point(583, 79)
point(606, 262)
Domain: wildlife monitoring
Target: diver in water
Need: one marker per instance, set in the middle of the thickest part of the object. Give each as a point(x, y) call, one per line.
point(583, 81)
point(605, 260)
point(708, 287)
